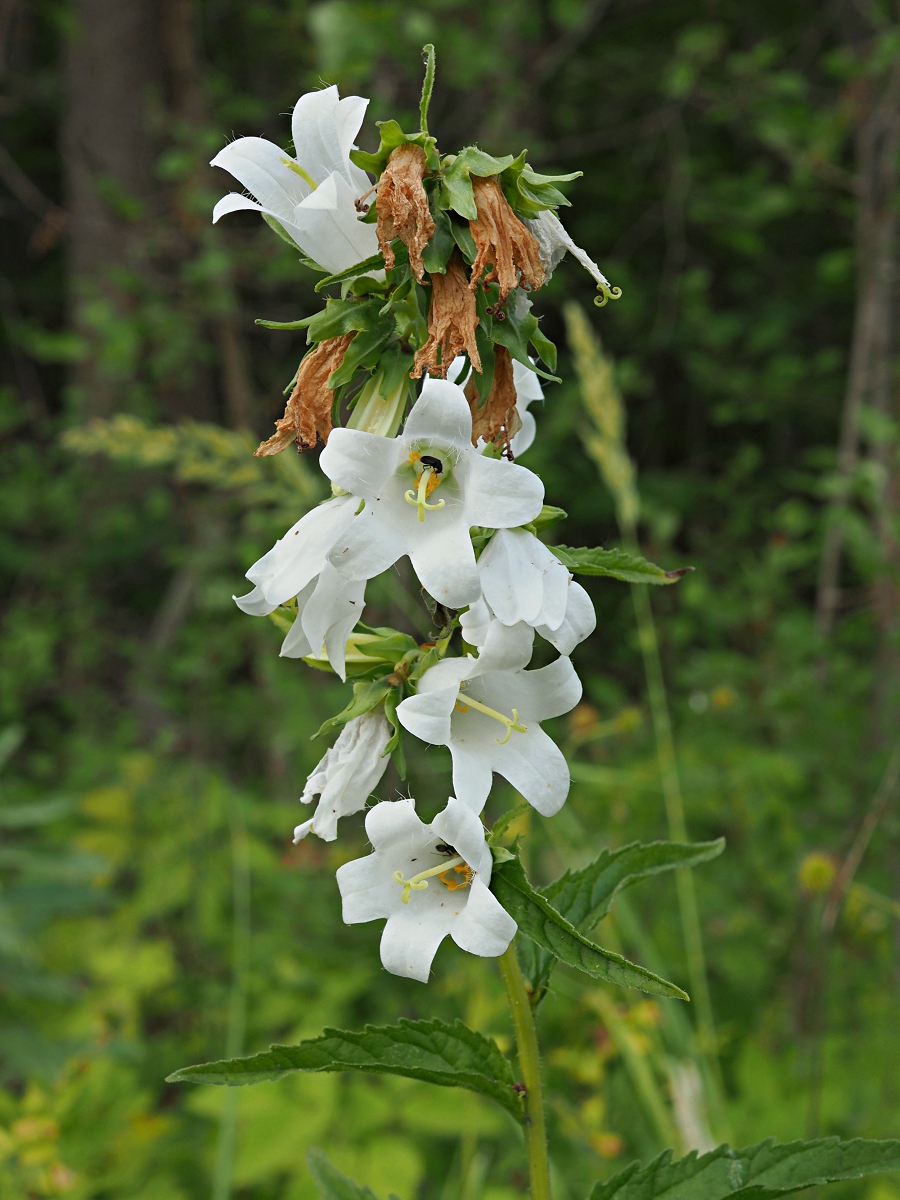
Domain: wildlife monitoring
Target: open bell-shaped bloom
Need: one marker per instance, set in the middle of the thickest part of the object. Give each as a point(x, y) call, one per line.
point(312, 194)
point(522, 580)
point(428, 881)
point(347, 773)
point(423, 491)
point(488, 711)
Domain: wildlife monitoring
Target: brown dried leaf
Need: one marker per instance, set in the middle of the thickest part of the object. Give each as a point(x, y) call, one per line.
point(307, 414)
point(451, 322)
point(403, 207)
point(504, 244)
point(498, 420)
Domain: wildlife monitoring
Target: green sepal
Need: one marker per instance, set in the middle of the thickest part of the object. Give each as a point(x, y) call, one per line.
point(276, 226)
point(584, 897)
point(462, 235)
point(374, 263)
point(615, 564)
point(762, 1172)
point(341, 316)
point(538, 920)
point(393, 136)
point(548, 514)
point(390, 646)
point(432, 1051)
point(545, 348)
point(330, 1183)
point(365, 697)
point(528, 192)
point(438, 251)
point(395, 745)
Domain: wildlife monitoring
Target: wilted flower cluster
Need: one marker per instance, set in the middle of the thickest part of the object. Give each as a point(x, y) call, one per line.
point(431, 355)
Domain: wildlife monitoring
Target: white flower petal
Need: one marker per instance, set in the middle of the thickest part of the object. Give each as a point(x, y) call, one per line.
point(462, 829)
point(554, 241)
point(524, 439)
point(368, 891)
point(299, 556)
point(536, 767)
point(485, 927)
point(441, 414)
point(444, 561)
point(427, 715)
point(556, 593)
point(506, 648)
point(330, 614)
point(528, 385)
point(328, 228)
point(475, 623)
point(411, 939)
point(501, 495)
point(347, 774)
point(297, 644)
point(472, 775)
point(579, 623)
point(323, 128)
point(367, 548)
point(393, 824)
point(359, 462)
point(548, 692)
point(254, 603)
point(512, 581)
point(260, 166)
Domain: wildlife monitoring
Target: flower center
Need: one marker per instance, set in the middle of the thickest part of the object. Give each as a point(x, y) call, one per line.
point(294, 166)
point(429, 478)
point(511, 723)
point(454, 875)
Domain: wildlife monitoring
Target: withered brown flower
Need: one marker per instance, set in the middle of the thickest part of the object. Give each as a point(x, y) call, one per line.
point(451, 322)
point(403, 207)
point(307, 414)
point(498, 420)
point(504, 244)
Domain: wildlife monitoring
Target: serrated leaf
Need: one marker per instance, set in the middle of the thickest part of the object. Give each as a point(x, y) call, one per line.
point(431, 1051)
point(584, 897)
point(538, 920)
point(762, 1172)
point(332, 1184)
point(615, 564)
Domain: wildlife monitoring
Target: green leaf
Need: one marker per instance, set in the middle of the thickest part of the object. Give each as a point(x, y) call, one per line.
point(393, 136)
point(515, 333)
point(477, 162)
point(395, 745)
point(538, 920)
point(462, 235)
point(330, 1183)
point(456, 191)
point(342, 316)
point(374, 263)
point(760, 1172)
point(615, 564)
point(363, 351)
point(439, 249)
point(432, 1051)
point(584, 897)
point(365, 697)
point(544, 347)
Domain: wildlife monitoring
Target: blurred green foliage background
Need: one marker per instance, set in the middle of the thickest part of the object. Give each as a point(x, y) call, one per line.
point(740, 186)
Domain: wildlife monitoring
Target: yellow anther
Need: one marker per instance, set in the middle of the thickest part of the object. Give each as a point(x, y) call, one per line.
point(419, 882)
point(298, 170)
point(510, 723)
point(418, 497)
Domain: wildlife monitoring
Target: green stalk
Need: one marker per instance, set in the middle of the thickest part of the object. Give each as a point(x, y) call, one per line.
point(530, 1066)
point(237, 1006)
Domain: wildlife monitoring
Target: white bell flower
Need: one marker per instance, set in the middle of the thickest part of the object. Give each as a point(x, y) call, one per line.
point(554, 243)
point(328, 603)
point(423, 491)
point(521, 580)
point(428, 881)
point(528, 389)
point(311, 195)
point(488, 711)
point(347, 774)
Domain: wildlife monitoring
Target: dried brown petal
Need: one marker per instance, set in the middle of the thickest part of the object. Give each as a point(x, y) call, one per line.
point(403, 207)
point(451, 322)
point(498, 420)
point(307, 414)
point(504, 244)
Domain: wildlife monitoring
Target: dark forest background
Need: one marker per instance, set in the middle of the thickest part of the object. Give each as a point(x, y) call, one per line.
point(740, 184)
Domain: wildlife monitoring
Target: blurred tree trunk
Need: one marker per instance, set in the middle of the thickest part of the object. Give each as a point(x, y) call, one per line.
point(869, 382)
point(113, 67)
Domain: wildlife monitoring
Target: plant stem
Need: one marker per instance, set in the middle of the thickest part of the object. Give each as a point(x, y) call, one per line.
point(237, 1008)
point(530, 1066)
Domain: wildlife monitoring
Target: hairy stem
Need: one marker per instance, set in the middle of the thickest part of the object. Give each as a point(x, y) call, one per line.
point(530, 1066)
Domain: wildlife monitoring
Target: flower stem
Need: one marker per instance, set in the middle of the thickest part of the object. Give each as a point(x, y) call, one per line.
point(530, 1066)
